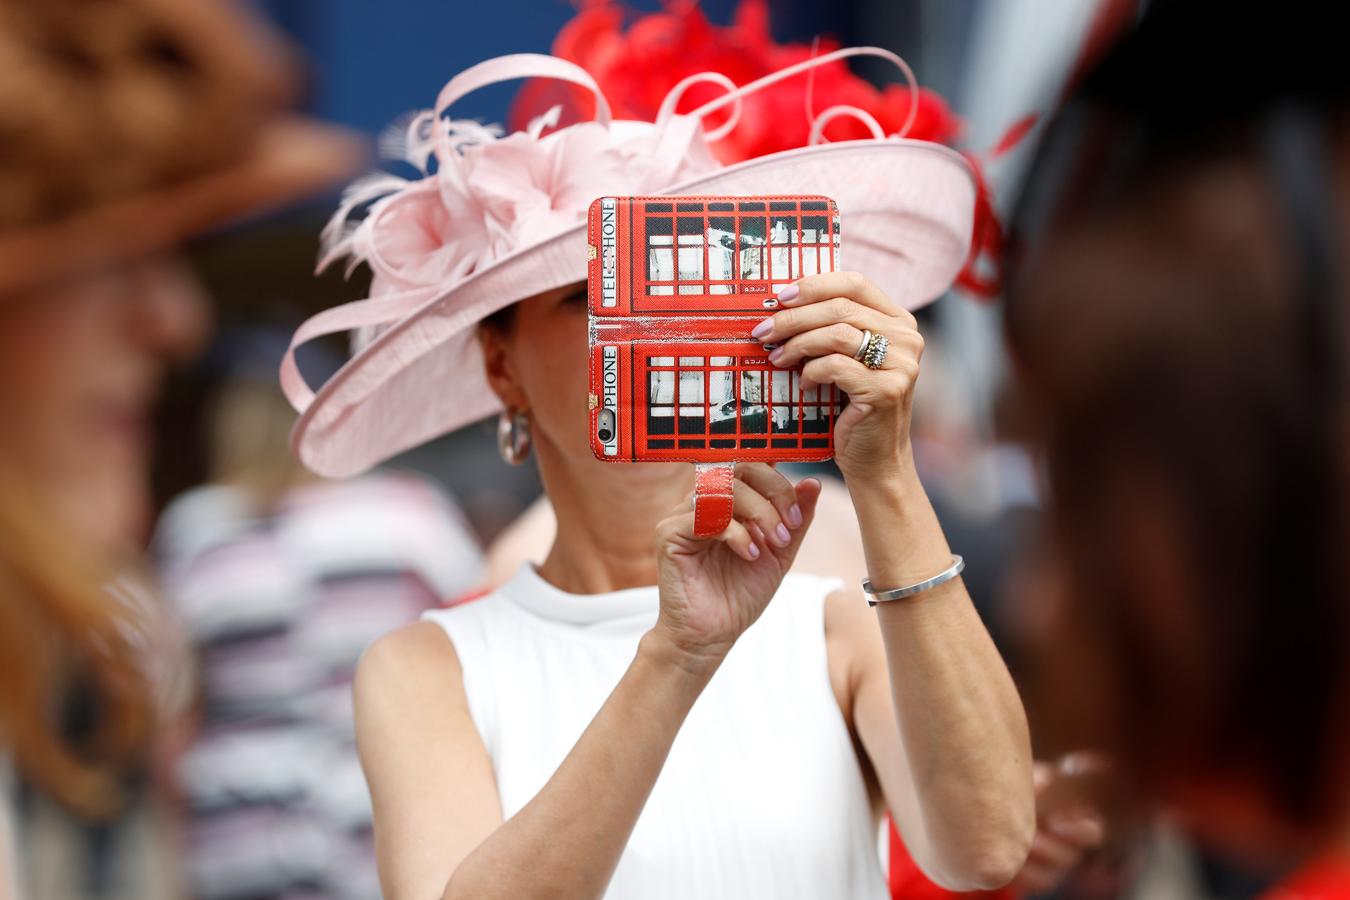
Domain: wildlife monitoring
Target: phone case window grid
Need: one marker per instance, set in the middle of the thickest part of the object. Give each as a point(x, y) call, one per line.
point(679, 266)
point(720, 401)
point(705, 249)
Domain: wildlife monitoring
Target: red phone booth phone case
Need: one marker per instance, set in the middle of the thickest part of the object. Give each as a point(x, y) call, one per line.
point(674, 286)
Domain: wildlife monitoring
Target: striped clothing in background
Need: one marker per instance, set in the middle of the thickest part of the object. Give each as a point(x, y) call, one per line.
point(279, 607)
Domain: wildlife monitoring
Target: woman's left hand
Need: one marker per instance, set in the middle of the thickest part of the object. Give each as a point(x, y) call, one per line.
point(821, 325)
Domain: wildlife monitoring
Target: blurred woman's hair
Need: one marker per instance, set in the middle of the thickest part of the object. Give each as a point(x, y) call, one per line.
point(61, 633)
point(1176, 316)
point(249, 428)
point(248, 420)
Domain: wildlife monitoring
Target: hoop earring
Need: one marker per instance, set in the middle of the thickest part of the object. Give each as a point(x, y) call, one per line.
point(513, 436)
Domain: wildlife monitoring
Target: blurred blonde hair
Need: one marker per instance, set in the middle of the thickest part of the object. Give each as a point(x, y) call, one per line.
point(59, 628)
point(249, 433)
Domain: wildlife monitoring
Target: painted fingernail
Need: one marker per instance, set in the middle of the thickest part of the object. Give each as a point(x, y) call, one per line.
point(775, 354)
point(783, 537)
point(795, 516)
point(753, 550)
point(788, 294)
point(762, 329)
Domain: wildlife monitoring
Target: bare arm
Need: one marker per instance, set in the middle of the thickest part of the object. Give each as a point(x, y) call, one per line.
point(430, 777)
point(436, 804)
point(935, 708)
point(568, 839)
point(438, 822)
point(940, 719)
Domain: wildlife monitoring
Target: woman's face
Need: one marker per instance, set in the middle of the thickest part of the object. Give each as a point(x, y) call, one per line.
point(544, 362)
point(79, 373)
point(540, 365)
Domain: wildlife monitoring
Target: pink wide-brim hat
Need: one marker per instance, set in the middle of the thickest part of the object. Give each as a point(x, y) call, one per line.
point(497, 219)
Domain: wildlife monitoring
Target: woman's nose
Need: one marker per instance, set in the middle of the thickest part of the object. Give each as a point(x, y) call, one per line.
point(171, 312)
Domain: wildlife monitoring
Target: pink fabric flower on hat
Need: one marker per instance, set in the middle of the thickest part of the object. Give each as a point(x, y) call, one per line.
point(483, 196)
point(533, 188)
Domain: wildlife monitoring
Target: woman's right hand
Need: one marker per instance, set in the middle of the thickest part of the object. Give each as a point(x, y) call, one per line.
point(712, 589)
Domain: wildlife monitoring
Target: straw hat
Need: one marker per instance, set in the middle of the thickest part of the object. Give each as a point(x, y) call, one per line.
point(129, 125)
point(497, 218)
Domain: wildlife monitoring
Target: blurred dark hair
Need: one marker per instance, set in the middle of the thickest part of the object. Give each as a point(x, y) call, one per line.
point(1176, 319)
point(503, 320)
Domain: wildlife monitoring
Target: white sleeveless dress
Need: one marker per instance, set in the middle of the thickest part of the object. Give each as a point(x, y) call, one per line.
point(761, 796)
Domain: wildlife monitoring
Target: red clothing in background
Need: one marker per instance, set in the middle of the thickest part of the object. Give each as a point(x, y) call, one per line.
point(908, 883)
point(1327, 878)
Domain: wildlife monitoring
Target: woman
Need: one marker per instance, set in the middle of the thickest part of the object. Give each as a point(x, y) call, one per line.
point(179, 128)
point(635, 718)
point(1189, 242)
point(1070, 825)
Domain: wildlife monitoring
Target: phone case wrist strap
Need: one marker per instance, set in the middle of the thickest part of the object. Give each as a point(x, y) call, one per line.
point(713, 492)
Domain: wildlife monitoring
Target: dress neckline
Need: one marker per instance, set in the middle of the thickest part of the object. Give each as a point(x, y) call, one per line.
point(528, 590)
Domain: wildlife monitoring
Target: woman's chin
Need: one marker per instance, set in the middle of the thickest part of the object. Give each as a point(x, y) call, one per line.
point(640, 476)
point(649, 472)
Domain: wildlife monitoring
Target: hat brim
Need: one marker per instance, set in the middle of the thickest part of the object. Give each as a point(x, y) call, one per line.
point(906, 209)
point(290, 158)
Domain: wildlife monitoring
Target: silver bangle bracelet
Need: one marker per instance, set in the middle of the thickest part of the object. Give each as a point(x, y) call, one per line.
point(874, 597)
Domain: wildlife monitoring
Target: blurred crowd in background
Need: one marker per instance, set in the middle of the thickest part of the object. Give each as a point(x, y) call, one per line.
point(246, 587)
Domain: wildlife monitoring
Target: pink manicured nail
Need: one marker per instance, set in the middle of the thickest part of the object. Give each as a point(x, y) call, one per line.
point(753, 550)
point(775, 353)
point(795, 516)
point(783, 537)
point(762, 329)
point(788, 293)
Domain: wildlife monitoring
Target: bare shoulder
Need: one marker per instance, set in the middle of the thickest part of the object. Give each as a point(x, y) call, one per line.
point(408, 696)
point(853, 646)
point(410, 665)
point(833, 548)
point(833, 544)
point(431, 780)
point(527, 539)
point(850, 625)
